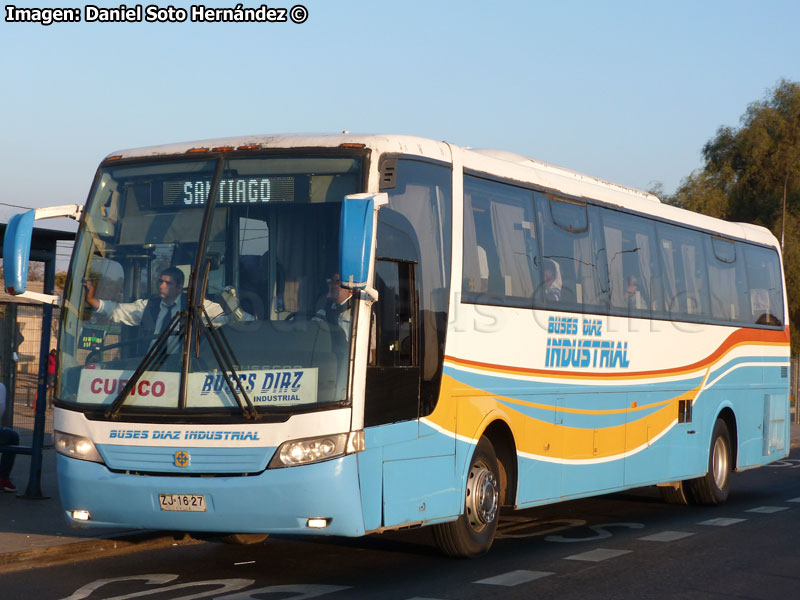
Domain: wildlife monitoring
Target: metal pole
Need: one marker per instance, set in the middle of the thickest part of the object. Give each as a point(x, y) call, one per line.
point(783, 210)
point(34, 489)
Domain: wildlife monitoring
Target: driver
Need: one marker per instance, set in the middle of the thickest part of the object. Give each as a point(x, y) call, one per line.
point(154, 314)
point(335, 306)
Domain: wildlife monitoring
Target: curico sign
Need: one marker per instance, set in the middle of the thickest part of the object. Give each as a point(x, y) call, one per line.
point(144, 387)
point(276, 387)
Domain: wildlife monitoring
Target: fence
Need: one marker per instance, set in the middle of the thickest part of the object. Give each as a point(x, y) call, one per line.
point(20, 372)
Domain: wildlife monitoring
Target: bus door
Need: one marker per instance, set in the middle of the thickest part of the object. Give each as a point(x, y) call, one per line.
point(415, 474)
point(393, 374)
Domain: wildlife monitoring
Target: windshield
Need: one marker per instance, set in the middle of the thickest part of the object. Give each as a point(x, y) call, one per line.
point(247, 287)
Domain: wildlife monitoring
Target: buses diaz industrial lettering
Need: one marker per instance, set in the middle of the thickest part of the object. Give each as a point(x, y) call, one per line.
point(166, 434)
point(586, 352)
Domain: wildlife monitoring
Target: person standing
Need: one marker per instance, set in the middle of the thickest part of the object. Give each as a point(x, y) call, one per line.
point(8, 437)
point(51, 377)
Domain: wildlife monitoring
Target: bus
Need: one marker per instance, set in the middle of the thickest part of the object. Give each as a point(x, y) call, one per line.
point(377, 332)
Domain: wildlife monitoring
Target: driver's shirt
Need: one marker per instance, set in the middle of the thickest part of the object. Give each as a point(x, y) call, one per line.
point(130, 313)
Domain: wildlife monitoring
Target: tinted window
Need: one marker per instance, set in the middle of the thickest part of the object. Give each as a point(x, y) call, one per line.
point(630, 249)
point(766, 291)
point(415, 227)
point(685, 273)
point(499, 243)
point(727, 282)
point(573, 277)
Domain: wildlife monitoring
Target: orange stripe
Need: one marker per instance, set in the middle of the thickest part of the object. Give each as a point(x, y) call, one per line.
point(740, 337)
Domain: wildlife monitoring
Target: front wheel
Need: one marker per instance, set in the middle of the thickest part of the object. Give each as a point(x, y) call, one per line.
point(472, 533)
point(713, 488)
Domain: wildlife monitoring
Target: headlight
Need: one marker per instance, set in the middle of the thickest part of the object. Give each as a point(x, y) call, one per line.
point(76, 446)
point(311, 450)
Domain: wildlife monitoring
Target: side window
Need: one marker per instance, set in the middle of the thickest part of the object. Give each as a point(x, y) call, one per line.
point(765, 288)
point(574, 275)
point(393, 328)
point(727, 281)
point(499, 244)
point(415, 229)
point(634, 276)
point(393, 376)
point(686, 293)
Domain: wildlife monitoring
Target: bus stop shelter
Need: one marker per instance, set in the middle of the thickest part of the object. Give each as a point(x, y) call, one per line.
point(43, 250)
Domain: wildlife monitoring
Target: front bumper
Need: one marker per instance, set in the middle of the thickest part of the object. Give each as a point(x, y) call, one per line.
point(274, 501)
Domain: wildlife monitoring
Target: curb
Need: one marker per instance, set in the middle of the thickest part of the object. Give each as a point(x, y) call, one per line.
point(47, 556)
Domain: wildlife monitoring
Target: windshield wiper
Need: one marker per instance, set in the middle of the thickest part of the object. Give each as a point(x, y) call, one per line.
point(225, 358)
point(156, 350)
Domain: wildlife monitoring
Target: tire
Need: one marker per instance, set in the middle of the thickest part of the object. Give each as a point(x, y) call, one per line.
point(472, 533)
point(676, 495)
point(244, 539)
point(713, 488)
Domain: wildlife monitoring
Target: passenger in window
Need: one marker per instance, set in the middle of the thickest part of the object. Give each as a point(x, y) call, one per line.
point(633, 295)
point(768, 319)
point(552, 281)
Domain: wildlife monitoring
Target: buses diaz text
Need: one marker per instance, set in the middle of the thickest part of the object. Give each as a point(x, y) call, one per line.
point(568, 350)
point(152, 13)
point(277, 386)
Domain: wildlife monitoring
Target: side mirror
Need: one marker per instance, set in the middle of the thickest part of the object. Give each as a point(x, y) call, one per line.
point(357, 237)
point(17, 252)
point(17, 249)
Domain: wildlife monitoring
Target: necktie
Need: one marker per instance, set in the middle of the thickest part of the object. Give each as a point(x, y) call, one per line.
point(167, 319)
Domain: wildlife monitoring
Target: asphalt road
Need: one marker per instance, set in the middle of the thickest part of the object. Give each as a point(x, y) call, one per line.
point(628, 545)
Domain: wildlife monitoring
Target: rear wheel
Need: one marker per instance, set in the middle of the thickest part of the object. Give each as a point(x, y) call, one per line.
point(713, 488)
point(473, 532)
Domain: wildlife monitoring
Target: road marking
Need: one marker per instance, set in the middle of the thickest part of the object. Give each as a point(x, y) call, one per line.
point(666, 536)
point(600, 533)
point(794, 500)
point(768, 510)
point(514, 578)
point(721, 522)
point(598, 555)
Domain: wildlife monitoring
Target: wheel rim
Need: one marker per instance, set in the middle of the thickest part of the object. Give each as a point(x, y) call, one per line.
point(483, 492)
point(720, 463)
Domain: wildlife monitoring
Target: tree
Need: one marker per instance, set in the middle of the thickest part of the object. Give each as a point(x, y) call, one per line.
point(752, 174)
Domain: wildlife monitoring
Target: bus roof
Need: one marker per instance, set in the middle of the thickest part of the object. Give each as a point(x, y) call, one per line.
point(500, 163)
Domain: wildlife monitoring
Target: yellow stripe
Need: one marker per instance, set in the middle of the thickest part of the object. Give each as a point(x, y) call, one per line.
point(472, 411)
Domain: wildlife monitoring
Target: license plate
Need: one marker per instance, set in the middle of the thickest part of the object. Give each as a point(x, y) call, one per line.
point(183, 502)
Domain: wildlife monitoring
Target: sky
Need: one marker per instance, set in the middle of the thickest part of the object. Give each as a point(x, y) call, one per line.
point(628, 91)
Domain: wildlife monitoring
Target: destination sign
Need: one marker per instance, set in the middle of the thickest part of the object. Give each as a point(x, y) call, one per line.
point(232, 190)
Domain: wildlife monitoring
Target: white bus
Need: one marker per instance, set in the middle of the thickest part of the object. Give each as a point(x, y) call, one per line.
point(378, 332)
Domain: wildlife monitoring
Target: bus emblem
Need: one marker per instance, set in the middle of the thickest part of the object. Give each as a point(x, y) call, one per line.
point(182, 458)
